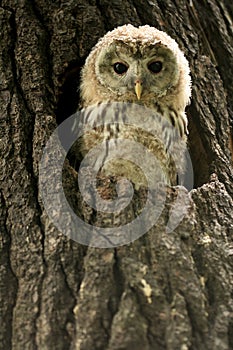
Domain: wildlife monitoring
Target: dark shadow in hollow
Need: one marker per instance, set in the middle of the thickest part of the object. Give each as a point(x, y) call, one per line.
point(68, 100)
point(197, 150)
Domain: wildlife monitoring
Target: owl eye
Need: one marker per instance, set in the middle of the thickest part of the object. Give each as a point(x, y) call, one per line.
point(155, 67)
point(120, 68)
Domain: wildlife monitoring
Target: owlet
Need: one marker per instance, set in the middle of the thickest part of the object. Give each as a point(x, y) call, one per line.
point(137, 82)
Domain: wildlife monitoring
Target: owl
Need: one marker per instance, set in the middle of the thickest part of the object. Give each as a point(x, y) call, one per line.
point(143, 67)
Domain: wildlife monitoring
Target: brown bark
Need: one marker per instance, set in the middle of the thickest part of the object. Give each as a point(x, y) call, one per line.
point(164, 290)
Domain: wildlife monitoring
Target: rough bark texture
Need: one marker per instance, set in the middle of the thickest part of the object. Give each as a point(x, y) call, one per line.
point(163, 291)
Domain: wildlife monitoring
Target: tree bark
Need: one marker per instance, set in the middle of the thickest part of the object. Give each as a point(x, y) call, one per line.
point(166, 290)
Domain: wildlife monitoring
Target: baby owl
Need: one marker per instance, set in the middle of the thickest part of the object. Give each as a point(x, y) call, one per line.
point(144, 67)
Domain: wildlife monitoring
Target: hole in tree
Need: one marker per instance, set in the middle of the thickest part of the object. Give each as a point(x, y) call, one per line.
point(68, 100)
point(197, 150)
point(68, 104)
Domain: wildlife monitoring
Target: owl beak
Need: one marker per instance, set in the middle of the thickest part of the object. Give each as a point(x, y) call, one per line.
point(138, 88)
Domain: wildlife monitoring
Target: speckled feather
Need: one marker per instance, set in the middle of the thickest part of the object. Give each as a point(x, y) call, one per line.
point(166, 94)
point(178, 95)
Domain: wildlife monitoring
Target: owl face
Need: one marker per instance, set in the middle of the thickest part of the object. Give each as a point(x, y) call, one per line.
point(142, 65)
point(136, 71)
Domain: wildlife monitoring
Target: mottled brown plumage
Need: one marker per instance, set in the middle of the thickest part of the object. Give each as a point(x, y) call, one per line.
point(143, 66)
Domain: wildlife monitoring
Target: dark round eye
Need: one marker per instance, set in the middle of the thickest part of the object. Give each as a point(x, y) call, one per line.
point(155, 67)
point(120, 68)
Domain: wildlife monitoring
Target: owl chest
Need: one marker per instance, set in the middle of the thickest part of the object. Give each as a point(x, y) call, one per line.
point(154, 133)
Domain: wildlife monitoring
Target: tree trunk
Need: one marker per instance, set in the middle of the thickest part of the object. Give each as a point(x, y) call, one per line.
point(167, 289)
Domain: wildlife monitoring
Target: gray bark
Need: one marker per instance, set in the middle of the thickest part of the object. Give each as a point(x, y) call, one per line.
point(164, 290)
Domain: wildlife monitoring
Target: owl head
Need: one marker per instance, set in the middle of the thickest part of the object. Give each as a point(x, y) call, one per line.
point(142, 65)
